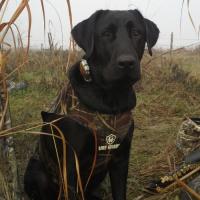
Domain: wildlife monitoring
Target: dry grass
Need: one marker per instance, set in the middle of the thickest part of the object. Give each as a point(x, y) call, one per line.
point(23, 55)
point(163, 101)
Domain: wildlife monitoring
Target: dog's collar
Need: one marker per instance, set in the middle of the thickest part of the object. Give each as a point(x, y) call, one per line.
point(85, 70)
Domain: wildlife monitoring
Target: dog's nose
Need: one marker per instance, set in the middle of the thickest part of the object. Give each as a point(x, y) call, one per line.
point(126, 62)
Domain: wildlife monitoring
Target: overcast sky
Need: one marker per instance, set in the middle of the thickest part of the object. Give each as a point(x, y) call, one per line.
point(166, 14)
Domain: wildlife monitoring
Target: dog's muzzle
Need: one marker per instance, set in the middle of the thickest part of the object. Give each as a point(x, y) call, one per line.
point(126, 62)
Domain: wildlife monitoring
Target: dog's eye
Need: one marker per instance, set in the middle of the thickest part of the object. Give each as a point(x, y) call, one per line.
point(107, 34)
point(135, 33)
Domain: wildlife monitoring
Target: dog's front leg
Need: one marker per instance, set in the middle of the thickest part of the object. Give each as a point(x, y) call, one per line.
point(118, 169)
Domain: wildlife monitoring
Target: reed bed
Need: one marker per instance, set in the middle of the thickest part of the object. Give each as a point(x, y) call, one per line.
point(5, 116)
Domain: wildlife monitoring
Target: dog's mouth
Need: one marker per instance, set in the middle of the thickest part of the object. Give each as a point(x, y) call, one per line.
point(121, 78)
point(122, 82)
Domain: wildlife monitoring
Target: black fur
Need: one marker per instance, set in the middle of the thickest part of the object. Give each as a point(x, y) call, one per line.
point(38, 183)
point(114, 43)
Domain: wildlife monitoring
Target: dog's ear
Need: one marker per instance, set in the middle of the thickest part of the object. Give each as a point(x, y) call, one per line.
point(151, 29)
point(48, 117)
point(83, 33)
point(152, 33)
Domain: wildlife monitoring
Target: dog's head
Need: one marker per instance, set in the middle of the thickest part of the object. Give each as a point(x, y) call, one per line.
point(114, 43)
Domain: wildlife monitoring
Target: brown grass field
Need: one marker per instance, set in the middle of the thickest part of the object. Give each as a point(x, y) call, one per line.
point(165, 95)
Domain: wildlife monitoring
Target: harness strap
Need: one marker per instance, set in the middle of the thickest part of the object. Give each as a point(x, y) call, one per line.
point(85, 121)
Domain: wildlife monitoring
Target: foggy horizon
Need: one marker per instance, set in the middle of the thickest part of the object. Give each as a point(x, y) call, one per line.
point(167, 16)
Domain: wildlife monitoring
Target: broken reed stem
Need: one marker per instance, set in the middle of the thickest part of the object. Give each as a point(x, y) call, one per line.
point(187, 188)
point(12, 131)
point(181, 179)
point(4, 10)
point(62, 171)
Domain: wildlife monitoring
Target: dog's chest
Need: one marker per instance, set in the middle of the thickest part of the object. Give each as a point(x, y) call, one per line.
point(109, 131)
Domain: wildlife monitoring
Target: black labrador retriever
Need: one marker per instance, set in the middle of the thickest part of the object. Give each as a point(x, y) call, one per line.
point(98, 124)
